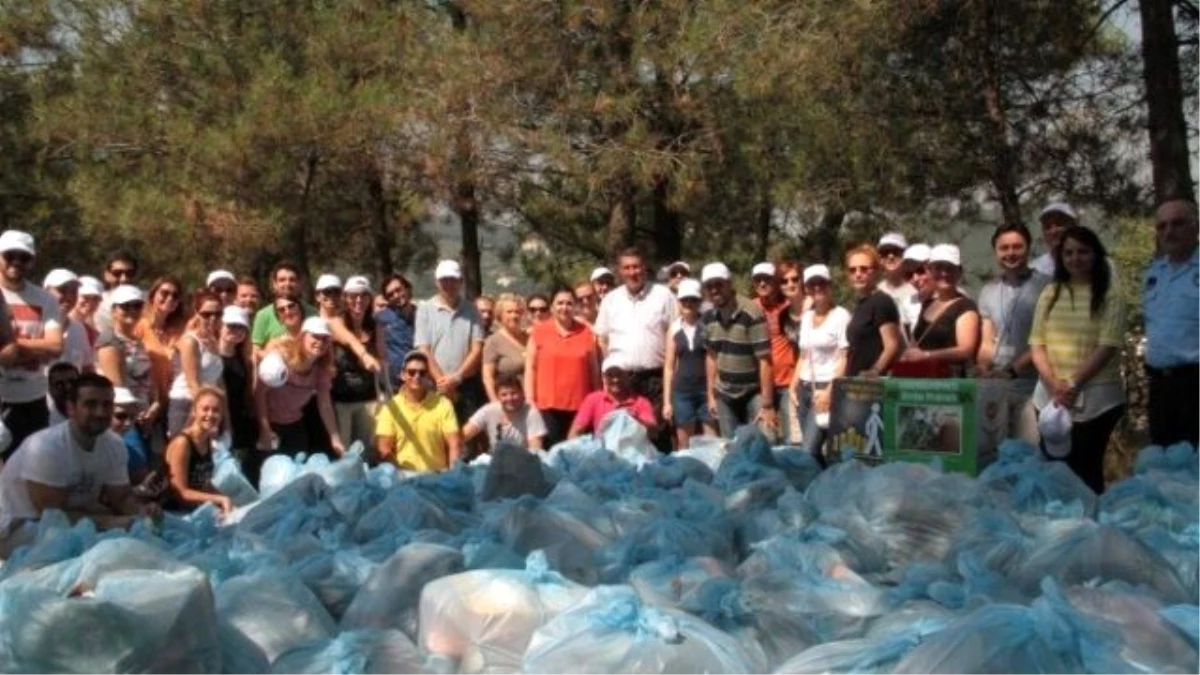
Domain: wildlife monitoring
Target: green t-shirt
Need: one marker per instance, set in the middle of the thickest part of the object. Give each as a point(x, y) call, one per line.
point(267, 326)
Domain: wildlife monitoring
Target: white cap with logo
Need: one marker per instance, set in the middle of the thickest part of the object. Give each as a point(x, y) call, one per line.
point(357, 284)
point(16, 240)
point(1054, 424)
point(315, 325)
point(448, 269)
point(762, 269)
point(894, 239)
point(816, 272)
point(601, 272)
point(612, 361)
point(220, 275)
point(235, 316)
point(715, 271)
point(918, 253)
point(273, 370)
point(125, 293)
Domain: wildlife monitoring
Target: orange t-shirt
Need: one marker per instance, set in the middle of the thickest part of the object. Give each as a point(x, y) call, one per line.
point(783, 350)
point(159, 353)
point(564, 365)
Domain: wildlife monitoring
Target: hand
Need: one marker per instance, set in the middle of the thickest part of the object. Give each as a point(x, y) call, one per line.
point(914, 354)
point(447, 385)
point(869, 373)
point(224, 503)
point(668, 412)
point(991, 373)
point(267, 440)
point(335, 442)
point(1064, 395)
point(712, 407)
point(370, 363)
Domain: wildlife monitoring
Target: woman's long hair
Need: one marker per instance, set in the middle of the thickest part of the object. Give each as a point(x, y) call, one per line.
point(1101, 276)
point(292, 350)
point(201, 394)
point(176, 320)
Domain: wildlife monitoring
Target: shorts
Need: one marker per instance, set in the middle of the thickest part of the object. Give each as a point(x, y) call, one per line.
point(690, 408)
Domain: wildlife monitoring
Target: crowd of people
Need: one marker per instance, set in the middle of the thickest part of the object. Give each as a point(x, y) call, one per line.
point(114, 397)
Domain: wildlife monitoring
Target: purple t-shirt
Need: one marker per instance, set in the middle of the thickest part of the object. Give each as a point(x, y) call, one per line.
point(285, 405)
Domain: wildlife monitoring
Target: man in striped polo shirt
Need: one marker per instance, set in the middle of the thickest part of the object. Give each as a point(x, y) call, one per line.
point(741, 386)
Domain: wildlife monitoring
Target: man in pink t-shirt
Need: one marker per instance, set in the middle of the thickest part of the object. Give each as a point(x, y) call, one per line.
point(616, 395)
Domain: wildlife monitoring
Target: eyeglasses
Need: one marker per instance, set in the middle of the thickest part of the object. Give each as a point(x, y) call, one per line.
point(791, 279)
point(763, 280)
point(122, 272)
point(890, 252)
point(208, 315)
point(131, 306)
point(168, 294)
point(679, 272)
point(920, 270)
point(861, 269)
point(223, 289)
point(538, 309)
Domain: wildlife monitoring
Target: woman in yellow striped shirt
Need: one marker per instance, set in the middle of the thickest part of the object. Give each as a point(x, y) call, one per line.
point(1078, 329)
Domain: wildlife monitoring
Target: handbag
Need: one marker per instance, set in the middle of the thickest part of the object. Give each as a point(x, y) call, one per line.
point(928, 370)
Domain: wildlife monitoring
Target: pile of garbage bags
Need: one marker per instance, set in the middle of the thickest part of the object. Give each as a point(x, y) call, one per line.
point(603, 556)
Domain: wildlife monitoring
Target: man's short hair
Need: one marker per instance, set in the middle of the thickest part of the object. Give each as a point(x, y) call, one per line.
point(1019, 228)
point(387, 281)
point(60, 367)
point(247, 281)
point(509, 381)
point(124, 256)
point(631, 252)
point(415, 355)
point(86, 380)
point(285, 265)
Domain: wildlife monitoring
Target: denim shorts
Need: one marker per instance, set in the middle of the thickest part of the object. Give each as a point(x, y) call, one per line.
point(690, 408)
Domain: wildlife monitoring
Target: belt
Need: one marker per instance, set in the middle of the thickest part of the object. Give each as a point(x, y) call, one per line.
point(1185, 370)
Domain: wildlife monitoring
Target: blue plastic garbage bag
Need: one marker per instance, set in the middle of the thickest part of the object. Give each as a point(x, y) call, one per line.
point(673, 471)
point(390, 597)
point(568, 542)
point(404, 509)
point(860, 655)
point(765, 628)
point(1186, 618)
point(1180, 457)
point(1180, 551)
point(663, 538)
point(263, 615)
point(800, 467)
point(372, 652)
point(613, 631)
point(1032, 485)
point(1155, 499)
point(667, 582)
point(514, 471)
point(229, 479)
point(54, 539)
point(624, 436)
point(1148, 640)
point(334, 576)
point(277, 471)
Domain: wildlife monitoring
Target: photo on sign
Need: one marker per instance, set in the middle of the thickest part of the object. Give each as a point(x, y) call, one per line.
point(927, 428)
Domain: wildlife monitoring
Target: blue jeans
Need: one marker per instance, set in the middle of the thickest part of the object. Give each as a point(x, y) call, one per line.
point(733, 413)
point(812, 436)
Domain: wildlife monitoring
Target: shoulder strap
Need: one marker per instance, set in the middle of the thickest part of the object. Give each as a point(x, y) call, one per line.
point(934, 321)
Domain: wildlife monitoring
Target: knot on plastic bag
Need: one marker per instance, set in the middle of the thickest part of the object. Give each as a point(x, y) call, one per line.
point(627, 613)
point(659, 625)
point(348, 653)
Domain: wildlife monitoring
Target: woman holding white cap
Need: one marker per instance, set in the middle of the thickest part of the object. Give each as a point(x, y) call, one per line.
point(122, 357)
point(685, 379)
point(823, 350)
point(355, 349)
point(195, 362)
point(946, 337)
point(91, 294)
point(237, 379)
point(309, 374)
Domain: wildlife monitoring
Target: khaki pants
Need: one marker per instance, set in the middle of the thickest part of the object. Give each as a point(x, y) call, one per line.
point(356, 422)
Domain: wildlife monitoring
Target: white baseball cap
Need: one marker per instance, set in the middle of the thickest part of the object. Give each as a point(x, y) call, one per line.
point(315, 325)
point(689, 288)
point(1054, 424)
point(713, 271)
point(946, 253)
point(125, 293)
point(612, 361)
point(235, 316)
point(90, 286)
point(328, 281)
point(601, 272)
point(763, 269)
point(273, 370)
point(679, 263)
point(893, 239)
point(1059, 207)
point(16, 240)
point(817, 272)
point(123, 396)
point(918, 253)
point(219, 275)
point(59, 277)
point(357, 284)
point(448, 269)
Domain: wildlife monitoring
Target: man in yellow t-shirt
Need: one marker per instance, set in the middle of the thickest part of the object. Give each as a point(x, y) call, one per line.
point(417, 428)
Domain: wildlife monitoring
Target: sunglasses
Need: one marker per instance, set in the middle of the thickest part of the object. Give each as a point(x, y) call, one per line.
point(123, 272)
point(132, 306)
point(167, 294)
point(538, 309)
point(121, 416)
point(680, 272)
point(817, 283)
point(791, 279)
point(208, 315)
point(331, 292)
point(763, 280)
point(19, 257)
point(287, 307)
point(415, 372)
point(862, 269)
point(890, 252)
point(920, 270)
point(223, 288)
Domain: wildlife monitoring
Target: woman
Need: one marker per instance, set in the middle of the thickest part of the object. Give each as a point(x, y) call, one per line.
point(685, 382)
point(946, 337)
point(162, 324)
point(237, 379)
point(290, 314)
point(792, 286)
point(504, 350)
point(822, 359)
point(195, 362)
point(122, 357)
point(1078, 329)
point(874, 330)
point(91, 293)
point(769, 297)
point(539, 308)
point(309, 361)
point(329, 297)
point(562, 366)
point(355, 348)
point(189, 455)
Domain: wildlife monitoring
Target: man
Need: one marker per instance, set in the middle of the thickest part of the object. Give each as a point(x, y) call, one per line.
point(38, 335)
point(916, 268)
point(1055, 219)
point(587, 307)
point(486, 306)
point(224, 285)
point(677, 272)
point(77, 347)
point(60, 378)
point(768, 297)
point(397, 322)
point(617, 394)
point(741, 381)
point(77, 467)
point(632, 325)
point(1171, 303)
point(450, 333)
point(248, 297)
point(894, 282)
point(122, 269)
point(603, 280)
point(285, 283)
point(417, 428)
point(509, 420)
point(1006, 308)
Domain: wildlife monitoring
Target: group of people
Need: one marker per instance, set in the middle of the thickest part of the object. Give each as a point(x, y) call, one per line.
point(425, 384)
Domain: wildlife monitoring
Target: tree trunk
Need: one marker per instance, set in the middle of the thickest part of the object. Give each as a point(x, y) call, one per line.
point(621, 217)
point(379, 208)
point(668, 229)
point(1164, 97)
point(1001, 157)
point(299, 228)
point(763, 243)
point(464, 200)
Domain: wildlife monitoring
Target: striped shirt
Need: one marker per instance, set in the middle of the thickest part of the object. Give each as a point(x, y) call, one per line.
point(737, 341)
point(1070, 334)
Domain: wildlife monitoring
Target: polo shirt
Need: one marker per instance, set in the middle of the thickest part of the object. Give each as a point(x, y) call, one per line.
point(420, 430)
point(1171, 304)
point(600, 404)
point(267, 325)
point(737, 340)
point(636, 325)
point(564, 362)
point(783, 348)
point(448, 331)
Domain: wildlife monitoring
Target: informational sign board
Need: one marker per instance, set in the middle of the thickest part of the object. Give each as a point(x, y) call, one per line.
point(954, 421)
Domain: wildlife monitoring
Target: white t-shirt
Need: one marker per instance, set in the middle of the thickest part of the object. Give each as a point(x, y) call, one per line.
point(490, 418)
point(636, 326)
point(77, 350)
point(34, 311)
point(1043, 264)
point(52, 457)
point(211, 369)
point(819, 345)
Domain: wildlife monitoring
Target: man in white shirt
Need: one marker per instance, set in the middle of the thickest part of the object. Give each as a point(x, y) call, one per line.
point(632, 325)
point(39, 336)
point(78, 467)
point(77, 349)
point(508, 420)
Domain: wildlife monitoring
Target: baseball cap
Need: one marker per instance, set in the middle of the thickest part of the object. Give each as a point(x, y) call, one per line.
point(1059, 207)
point(714, 271)
point(357, 284)
point(220, 275)
point(123, 396)
point(315, 325)
point(612, 361)
point(448, 269)
point(59, 277)
point(946, 253)
point(235, 316)
point(918, 253)
point(816, 272)
point(601, 272)
point(16, 240)
point(689, 288)
point(763, 269)
point(125, 294)
point(273, 370)
point(679, 263)
point(328, 281)
point(90, 286)
point(1054, 424)
point(893, 239)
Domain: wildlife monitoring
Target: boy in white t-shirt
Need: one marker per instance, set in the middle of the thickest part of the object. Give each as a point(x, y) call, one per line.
point(510, 420)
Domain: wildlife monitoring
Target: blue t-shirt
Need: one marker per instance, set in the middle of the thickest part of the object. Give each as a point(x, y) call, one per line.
point(139, 454)
point(398, 334)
